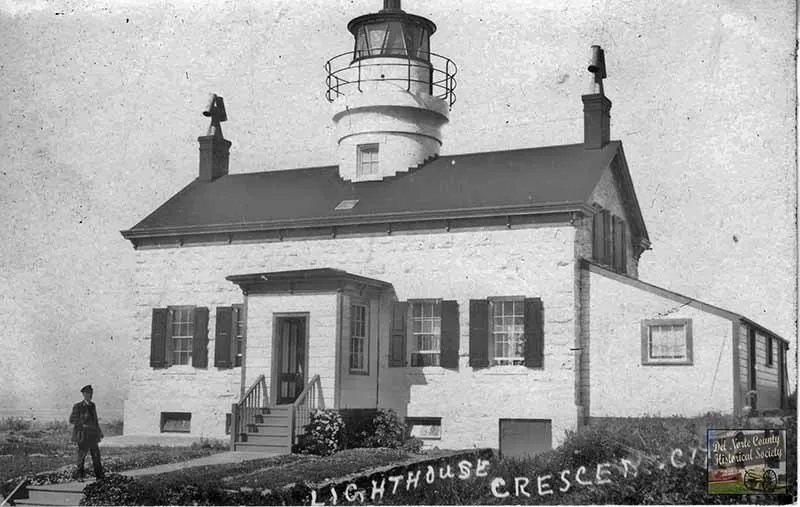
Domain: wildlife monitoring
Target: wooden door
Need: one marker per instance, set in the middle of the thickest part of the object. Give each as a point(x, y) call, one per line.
point(291, 358)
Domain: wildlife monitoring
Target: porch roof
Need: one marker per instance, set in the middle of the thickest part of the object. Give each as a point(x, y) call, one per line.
point(304, 279)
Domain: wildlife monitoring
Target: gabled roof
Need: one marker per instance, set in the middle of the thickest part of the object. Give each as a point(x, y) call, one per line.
point(679, 298)
point(527, 181)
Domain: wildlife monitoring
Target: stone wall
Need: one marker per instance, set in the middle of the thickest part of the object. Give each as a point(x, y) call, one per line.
point(464, 265)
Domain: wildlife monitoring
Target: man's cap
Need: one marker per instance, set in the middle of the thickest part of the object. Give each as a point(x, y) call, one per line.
point(87, 388)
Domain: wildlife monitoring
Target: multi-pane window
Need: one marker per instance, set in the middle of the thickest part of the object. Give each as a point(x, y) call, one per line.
point(367, 160)
point(426, 331)
point(507, 330)
point(358, 339)
point(667, 341)
point(238, 334)
point(181, 329)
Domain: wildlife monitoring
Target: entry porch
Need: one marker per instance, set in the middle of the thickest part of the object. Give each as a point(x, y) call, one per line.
point(312, 340)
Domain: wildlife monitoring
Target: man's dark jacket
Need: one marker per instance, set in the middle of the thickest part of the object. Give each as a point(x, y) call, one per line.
point(86, 428)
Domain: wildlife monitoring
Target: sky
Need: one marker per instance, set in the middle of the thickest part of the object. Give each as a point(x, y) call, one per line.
point(101, 104)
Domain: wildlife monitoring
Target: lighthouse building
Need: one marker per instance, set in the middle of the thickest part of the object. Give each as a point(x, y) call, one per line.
point(492, 299)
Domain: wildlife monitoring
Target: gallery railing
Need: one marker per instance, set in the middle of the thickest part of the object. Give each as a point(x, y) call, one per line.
point(346, 74)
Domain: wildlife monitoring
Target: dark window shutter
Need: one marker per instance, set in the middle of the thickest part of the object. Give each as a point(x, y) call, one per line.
point(478, 333)
point(597, 236)
point(534, 333)
point(608, 238)
point(618, 244)
point(200, 341)
point(624, 247)
point(397, 339)
point(158, 338)
point(223, 337)
point(450, 335)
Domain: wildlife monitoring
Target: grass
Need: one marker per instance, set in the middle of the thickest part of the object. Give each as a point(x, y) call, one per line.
point(278, 471)
point(28, 449)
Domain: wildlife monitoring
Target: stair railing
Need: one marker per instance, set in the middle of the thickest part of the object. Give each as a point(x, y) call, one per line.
point(244, 413)
point(309, 400)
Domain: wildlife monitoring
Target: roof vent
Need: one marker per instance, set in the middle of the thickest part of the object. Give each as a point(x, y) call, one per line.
point(346, 204)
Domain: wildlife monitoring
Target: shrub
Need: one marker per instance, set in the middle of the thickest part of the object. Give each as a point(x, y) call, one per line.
point(14, 424)
point(413, 445)
point(359, 424)
point(387, 430)
point(323, 435)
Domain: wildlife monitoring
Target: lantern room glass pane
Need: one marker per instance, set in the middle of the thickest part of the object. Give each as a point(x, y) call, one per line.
point(376, 35)
point(395, 40)
point(362, 49)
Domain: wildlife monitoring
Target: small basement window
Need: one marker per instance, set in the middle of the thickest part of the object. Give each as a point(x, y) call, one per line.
point(425, 428)
point(367, 160)
point(176, 422)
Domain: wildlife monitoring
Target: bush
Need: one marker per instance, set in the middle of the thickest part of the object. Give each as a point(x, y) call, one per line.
point(14, 424)
point(387, 430)
point(359, 424)
point(323, 435)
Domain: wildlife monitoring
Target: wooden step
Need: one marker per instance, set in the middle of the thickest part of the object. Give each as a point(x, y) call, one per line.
point(269, 431)
point(272, 450)
point(254, 438)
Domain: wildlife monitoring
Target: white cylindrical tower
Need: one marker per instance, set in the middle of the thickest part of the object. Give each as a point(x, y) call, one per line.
point(391, 95)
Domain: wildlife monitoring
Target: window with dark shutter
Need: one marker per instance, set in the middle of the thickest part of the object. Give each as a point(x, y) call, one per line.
point(158, 338)
point(608, 238)
point(397, 338)
point(450, 335)
point(200, 339)
point(223, 337)
point(597, 236)
point(534, 333)
point(237, 335)
point(618, 244)
point(479, 333)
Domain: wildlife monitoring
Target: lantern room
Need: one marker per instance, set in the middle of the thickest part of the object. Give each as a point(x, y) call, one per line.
point(392, 32)
point(390, 93)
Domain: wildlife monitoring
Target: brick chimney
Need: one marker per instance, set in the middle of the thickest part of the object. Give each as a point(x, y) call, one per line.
point(596, 106)
point(214, 148)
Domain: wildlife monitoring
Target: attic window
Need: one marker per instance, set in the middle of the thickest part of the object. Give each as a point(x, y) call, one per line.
point(346, 204)
point(367, 160)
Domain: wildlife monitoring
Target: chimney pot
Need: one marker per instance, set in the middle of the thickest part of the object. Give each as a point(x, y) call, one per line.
point(214, 148)
point(596, 106)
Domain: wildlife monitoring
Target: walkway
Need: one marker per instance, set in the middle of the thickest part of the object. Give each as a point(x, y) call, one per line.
point(70, 493)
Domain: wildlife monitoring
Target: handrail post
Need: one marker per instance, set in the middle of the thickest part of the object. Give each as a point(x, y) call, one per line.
point(234, 425)
point(408, 81)
point(359, 76)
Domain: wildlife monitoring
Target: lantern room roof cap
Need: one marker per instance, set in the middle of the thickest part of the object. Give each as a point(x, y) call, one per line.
point(390, 15)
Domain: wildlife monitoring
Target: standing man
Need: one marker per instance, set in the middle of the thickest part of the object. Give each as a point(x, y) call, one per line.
point(86, 433)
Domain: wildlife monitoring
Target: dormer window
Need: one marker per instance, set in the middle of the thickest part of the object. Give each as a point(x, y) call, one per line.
point(367, 160)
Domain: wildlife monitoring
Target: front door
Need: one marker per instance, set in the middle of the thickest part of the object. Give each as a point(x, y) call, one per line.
point(291, 358)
